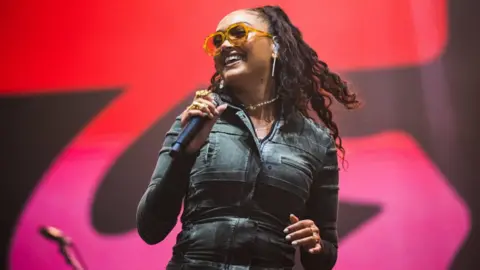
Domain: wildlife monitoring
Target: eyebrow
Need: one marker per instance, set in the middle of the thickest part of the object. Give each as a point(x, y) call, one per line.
point(233, 24)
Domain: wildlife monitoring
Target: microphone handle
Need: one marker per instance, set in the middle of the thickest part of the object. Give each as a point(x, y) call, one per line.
point(186, 136)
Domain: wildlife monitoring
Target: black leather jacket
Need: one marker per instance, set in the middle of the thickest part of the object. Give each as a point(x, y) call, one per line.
point(239, 192)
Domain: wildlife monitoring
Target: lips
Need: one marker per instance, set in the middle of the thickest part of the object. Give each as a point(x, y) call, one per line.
point(232, 58)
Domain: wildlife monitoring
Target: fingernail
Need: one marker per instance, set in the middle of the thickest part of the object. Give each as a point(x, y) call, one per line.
point(288, 237)
point(286, 230)
point(294, 243)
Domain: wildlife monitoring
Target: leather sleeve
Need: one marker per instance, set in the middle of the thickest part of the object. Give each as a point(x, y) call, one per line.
point(322, 208)
point(160, 205)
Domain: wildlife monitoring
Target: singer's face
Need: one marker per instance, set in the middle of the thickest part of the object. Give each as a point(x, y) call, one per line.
point(253, 57)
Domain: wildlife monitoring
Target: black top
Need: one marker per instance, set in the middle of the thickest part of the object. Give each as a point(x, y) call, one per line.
point(238, 194)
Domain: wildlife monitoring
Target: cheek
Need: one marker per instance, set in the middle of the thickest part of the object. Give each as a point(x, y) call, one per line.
point(260, 54)
point(260, 47)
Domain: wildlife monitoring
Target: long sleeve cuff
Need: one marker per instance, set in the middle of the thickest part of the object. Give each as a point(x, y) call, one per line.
point(325, 260)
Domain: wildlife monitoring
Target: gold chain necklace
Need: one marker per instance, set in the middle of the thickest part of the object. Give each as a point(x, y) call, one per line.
point(254, 107)
point(266, 126)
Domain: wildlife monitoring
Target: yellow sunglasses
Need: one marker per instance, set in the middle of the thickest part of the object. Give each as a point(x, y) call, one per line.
point(236, 34)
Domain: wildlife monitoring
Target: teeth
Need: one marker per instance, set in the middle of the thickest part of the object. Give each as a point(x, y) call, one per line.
point(232, 58)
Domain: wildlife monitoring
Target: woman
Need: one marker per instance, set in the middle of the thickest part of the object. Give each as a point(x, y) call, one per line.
point(261, 178)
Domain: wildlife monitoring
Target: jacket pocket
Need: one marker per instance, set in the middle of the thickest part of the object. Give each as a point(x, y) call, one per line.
point(297, 165)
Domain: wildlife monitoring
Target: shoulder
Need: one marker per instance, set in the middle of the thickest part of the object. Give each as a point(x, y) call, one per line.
point(319, 131)
point(314, 138)
point(328, 150)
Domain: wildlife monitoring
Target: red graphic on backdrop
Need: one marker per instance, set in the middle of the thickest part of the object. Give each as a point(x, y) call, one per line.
point(153, 50)
point(156, 46)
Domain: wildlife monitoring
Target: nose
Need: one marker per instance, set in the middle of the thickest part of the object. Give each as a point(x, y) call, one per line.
point(225, 48)
point(226, 44)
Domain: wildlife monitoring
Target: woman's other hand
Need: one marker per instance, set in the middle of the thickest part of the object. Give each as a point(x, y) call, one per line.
point(305, 234)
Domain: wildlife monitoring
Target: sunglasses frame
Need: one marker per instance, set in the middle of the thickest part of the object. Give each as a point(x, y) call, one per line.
point(225, 36)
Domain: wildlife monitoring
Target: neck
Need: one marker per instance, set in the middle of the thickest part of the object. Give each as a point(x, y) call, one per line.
point(257, 93)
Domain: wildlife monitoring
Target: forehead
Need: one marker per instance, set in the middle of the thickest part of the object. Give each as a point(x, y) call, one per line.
point(246, 16)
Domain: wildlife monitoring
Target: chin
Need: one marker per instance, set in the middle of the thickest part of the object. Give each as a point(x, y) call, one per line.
point(235, 75)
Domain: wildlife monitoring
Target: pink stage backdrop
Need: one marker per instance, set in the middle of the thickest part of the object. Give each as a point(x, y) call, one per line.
point(417, 209)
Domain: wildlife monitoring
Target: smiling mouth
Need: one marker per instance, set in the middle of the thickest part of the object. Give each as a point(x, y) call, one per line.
point(233, 59)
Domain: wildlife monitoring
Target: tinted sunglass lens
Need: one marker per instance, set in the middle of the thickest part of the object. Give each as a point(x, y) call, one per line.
point(217, 40)
point(237, 32)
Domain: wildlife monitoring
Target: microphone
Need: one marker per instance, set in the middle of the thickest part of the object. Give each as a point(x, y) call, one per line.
point(66, 245)
point(194, 125)
point(54, 234)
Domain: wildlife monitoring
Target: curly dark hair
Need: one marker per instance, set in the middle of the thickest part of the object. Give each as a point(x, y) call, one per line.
point(300, 77)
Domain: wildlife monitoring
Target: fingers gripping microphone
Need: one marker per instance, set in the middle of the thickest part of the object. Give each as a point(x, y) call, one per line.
point(190, 130)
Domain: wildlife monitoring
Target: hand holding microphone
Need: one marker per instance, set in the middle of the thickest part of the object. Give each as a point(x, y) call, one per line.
point(197, 122)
